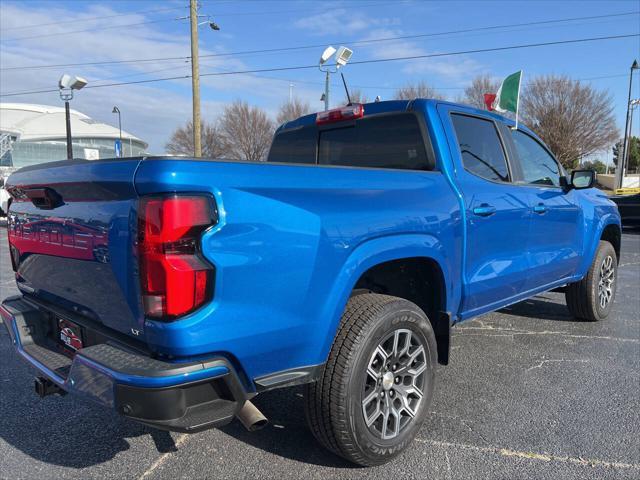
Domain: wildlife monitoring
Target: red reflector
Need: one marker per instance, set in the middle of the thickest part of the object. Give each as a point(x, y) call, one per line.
point(175, 278)
point(350, 112)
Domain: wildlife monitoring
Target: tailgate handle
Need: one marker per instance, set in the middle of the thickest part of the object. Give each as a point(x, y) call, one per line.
point(45, 198)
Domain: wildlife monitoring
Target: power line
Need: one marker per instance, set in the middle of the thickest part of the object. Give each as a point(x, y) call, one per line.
point(387, 87)
point(85, 19)
point(304, 47)
point(108, 27)
point(360, 62)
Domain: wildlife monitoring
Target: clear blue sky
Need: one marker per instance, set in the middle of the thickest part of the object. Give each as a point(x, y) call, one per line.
point(32, 35)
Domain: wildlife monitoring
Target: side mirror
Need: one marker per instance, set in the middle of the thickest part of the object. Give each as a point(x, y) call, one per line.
point(581, 179)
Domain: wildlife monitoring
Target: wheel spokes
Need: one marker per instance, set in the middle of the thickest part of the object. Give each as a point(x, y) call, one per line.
point(393, 386)
point(606, 281)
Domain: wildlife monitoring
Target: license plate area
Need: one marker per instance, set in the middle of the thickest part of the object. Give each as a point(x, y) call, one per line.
point(70, 335)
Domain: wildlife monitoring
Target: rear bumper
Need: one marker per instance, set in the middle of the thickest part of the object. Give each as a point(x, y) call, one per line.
point(186, 397)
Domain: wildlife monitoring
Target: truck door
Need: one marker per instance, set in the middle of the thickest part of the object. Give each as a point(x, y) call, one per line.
point(555, 240)
point(497, 211)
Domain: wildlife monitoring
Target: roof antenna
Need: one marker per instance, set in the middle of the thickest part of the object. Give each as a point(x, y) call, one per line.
point(346, 89)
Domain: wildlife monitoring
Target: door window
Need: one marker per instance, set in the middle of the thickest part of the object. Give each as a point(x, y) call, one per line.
point(538, 167)
point(480, 148)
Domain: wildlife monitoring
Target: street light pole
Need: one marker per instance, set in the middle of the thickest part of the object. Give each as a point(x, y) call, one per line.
point(326, 91)
point(67, 115)
point(67, 84)
point(117, 110)
point(341, 57)
point(621, 162)
point(632, 106)
point(195, 79)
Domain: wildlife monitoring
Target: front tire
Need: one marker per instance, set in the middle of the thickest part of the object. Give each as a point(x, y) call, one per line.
point(592, 297)
point(377, 384)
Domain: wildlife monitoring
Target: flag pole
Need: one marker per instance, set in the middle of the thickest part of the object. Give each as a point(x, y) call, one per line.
point(518, 101)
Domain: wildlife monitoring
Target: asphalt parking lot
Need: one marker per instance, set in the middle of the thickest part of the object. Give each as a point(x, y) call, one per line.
point(529, 393)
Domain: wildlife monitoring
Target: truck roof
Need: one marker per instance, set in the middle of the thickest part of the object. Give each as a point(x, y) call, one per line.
point(387, 106)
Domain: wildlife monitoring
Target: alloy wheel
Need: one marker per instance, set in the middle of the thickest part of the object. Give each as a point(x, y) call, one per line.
point(605, 281)
point(394, 385)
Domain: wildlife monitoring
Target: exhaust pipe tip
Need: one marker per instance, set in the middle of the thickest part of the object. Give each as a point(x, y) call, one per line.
point(251, 418)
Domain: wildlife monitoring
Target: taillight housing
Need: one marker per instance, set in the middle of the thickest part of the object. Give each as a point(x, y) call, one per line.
point(350, 112)
point(175, 277)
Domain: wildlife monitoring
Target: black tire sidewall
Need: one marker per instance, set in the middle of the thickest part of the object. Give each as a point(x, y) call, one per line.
point(397, 315)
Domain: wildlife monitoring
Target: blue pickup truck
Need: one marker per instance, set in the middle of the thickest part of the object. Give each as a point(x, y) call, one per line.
point(174, 290)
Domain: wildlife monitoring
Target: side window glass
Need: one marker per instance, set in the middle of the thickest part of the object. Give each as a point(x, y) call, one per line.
point(538, 167)
point(294, 146)
point(480, 148)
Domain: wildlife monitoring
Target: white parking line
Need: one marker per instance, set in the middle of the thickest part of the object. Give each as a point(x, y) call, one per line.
point(545, 457)
point(163, 458)
point(511, 331)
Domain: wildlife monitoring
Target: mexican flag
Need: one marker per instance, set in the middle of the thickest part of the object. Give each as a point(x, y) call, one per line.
point(506, 100)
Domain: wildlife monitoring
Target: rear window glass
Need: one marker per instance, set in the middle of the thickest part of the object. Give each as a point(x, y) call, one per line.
point(390, 141)
point(480, 148)
point(297, 145)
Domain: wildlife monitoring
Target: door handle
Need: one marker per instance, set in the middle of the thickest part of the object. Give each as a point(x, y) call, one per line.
point(540, 208)
point(484, 210)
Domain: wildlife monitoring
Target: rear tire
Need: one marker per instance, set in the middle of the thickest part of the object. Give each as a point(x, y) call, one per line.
point(592, 297)
point(377, 384)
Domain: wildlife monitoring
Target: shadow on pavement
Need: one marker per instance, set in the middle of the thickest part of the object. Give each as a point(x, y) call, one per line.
point(70, 432)
point(635, 230)
point(541, 308)
point(65, 430)
point(287, 434)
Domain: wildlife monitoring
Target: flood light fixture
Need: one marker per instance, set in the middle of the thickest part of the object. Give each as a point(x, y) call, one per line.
point(71, 82)
point(343, 56)
point(327, 54)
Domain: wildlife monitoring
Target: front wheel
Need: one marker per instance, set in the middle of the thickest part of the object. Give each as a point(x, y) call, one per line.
point(377, 384)
point(592, 297)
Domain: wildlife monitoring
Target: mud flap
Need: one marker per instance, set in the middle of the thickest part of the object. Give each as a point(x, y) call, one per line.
point(442, 330)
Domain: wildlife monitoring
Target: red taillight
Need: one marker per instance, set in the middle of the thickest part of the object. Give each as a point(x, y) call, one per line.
point(351, 112)
point(175, 278)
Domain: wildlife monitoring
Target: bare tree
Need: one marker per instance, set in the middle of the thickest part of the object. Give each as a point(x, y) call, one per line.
point(573, 119)
point(417, 90)
point(247, 131)
point(292, 110)
point(181, 142)
point(357, 96)
point(474, 93)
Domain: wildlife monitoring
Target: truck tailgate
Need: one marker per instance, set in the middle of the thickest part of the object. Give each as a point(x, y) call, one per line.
point(70, 227)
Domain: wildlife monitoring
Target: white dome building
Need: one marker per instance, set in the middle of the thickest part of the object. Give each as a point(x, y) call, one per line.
point(31, 134)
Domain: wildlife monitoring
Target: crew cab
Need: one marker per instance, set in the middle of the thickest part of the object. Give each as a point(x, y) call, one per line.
point(173, 290)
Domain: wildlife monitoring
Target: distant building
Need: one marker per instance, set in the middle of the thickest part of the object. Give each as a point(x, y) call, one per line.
point(31, 134)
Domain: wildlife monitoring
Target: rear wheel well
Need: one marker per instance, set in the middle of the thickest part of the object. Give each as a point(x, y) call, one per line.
point(418, 280)
point(612, 234)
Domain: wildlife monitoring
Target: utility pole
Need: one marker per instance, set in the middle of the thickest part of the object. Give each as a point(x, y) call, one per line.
point(195, 79)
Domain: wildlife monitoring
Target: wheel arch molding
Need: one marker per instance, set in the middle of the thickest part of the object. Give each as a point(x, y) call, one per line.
point(409, 266)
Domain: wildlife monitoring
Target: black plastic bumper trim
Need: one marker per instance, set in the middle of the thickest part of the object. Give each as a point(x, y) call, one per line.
point(186, 408)
point(289, 378)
